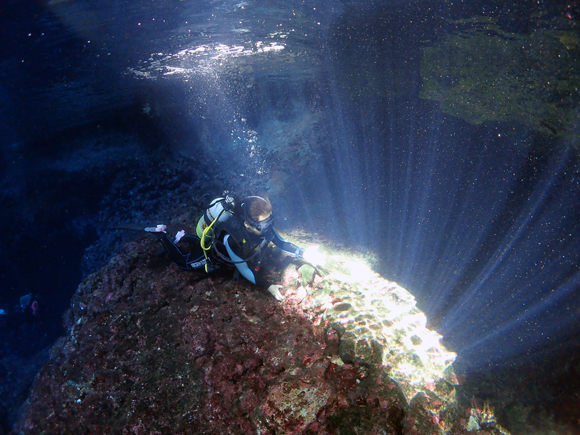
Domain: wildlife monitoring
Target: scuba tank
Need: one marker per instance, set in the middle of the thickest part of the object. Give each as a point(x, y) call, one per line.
point(218, 211)
point(219, 214)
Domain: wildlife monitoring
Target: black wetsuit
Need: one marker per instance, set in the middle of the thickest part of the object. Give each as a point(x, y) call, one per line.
point(233, 246)
point(193, 259)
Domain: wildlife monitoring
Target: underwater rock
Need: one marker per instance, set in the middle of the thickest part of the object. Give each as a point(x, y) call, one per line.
point(293, 405)
point(307, 272)
point(381, 324)
point(154, 349)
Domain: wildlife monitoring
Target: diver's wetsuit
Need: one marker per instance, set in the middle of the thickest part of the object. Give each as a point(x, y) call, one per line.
point(234, 246)
point(251, 250)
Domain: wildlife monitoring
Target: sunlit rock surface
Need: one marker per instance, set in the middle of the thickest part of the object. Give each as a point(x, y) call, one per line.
point(152, 349)
point(379, 323)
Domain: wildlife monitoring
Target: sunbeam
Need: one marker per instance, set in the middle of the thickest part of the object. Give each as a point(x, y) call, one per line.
point(429, 150)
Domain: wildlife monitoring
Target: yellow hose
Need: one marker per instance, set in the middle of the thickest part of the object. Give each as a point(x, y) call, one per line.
point(202, 242)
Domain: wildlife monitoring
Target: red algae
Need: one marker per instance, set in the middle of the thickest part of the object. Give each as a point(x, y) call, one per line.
point(151, 349)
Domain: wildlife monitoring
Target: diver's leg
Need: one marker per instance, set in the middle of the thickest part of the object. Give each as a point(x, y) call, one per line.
point(174, 252)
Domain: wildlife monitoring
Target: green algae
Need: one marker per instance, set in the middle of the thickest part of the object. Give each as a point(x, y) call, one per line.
point(307, 272)
point(481, 73)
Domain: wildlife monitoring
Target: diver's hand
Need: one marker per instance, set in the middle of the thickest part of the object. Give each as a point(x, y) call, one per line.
point(314, 257)
point(275, 290)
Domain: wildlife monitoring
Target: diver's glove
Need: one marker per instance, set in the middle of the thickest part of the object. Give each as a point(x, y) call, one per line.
point(275, 290)
point(299, 253)
point(314, 257)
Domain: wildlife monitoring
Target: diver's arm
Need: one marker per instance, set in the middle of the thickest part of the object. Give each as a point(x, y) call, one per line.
point(286, 246)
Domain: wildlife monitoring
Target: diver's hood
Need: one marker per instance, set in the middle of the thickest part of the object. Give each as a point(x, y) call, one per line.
point(261, 225)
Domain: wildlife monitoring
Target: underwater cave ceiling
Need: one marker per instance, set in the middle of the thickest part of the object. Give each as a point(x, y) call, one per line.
point(81, 59)
point(86, 61)
point(480, 73)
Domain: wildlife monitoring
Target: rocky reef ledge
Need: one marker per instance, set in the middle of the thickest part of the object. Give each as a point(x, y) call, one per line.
point(151, 349)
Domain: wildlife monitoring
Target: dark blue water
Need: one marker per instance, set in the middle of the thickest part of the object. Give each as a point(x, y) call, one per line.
point(479, 222)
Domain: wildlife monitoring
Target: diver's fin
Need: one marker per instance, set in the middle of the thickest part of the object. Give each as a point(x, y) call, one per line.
point(127, 227)
point(156, 229)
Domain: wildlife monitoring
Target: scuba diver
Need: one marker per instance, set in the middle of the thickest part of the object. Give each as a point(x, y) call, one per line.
point(231, 232)
point(23, 327)
point(27, 310)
